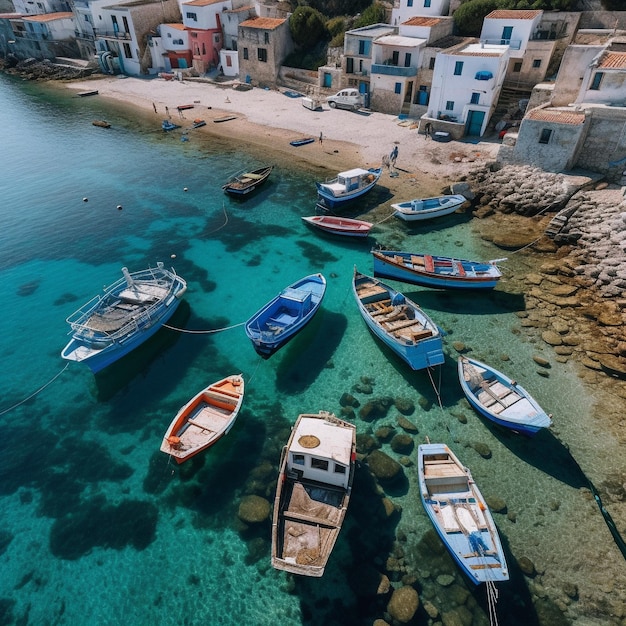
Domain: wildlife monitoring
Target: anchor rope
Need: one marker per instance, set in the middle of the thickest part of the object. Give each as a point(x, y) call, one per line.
point(436, 389)
point(32, 395)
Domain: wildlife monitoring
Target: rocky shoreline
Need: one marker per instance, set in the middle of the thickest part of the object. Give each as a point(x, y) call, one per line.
point(572, 229)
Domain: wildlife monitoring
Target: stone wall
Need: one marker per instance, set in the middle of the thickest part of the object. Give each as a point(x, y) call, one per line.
point(604, 147)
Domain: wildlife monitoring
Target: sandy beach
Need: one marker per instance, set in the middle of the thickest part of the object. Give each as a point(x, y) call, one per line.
point(269, 120)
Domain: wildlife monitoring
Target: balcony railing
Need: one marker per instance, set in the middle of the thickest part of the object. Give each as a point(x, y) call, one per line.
point(109, 34)
point(393, 70)
point(514, 44)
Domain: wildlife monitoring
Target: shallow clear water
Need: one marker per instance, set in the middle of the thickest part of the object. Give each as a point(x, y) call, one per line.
point(100, 527)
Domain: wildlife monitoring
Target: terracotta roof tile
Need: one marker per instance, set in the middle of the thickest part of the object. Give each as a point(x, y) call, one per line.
point(265, 23)
point(505, 14)
point(558, 116)
point(613, 61)
point(48, 17)
point(420, 20)
point(201, 3)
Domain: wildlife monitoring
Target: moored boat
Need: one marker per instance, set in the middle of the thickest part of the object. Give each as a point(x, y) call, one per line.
point(128, 313)
point(460, 514)
point(303, 141)
point(169, 125)
point(270, 328)
point(436, 271)
point(205, 419)
point(101, 123)
point(339, 225)
point(500, 399)
point(197, 123)
point(246, 181)
point(348, 185)
point(313, 492)
point(398, 322)
point(427, 208)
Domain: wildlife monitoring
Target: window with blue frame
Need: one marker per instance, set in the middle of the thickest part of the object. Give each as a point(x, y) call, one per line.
point(475, 98)
point(426, 3)
point(449, 105)
point(364, 47)
point(546, 133)
point(398, 88)
point(458, 68)
point(409, 3)
point(597, 79)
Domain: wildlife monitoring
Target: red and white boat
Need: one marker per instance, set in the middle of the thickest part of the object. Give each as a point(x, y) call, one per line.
point(205, 419)
point(339, 225)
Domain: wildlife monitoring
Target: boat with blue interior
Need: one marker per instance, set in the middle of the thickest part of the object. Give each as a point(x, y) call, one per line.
point(283, 317)
point(428, 208)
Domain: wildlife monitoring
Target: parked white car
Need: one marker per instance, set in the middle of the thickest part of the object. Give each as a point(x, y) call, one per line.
point(346, 99)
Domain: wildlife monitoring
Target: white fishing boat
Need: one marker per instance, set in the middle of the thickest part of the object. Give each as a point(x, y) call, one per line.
point(428, 208)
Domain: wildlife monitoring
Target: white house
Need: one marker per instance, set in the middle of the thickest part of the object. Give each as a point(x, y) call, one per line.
point(409, 8)
point(51, 26)
point(604, 79)
point(466, 85)
point(393, 72)
point(39, 7)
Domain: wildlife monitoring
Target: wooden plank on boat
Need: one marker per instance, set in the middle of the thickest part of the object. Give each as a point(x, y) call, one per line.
point(226, 118)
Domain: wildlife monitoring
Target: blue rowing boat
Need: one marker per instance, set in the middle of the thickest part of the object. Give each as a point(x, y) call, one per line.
point(436, 271)
point(348, 185)
point(500, 399)
point(460, 514)
point(283, 317)
point(398, 322)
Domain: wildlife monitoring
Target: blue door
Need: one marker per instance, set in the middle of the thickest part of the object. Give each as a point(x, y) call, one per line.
point(328, 79)
point(507, 31)
point(474, 122)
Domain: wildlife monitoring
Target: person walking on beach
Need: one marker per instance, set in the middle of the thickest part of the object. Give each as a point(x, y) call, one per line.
point(321, 138)
point(154, 107)
point(393, 156)
point(167, 111)
point(427, 130)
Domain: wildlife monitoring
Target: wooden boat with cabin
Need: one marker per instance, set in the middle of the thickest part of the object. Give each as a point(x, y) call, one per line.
point(205, 419)
point(313, 493)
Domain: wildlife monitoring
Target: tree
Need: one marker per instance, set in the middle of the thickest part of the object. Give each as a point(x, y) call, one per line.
point(307, 27)
point(374, 14)
point(470, 15)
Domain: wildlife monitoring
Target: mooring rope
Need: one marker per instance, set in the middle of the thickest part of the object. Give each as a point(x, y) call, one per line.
point(32, 395)
point(437, 390)
point(492, 600)
point(385, 219)
point(202, 332)
point(224, 224)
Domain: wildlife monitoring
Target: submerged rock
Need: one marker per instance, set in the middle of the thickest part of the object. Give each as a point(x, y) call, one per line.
point(403, 604)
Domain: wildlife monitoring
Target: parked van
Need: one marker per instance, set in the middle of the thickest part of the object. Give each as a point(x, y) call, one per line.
point(346, 99)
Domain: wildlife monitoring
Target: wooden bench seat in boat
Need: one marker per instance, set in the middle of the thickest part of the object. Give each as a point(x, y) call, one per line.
point(369, 290)
point(393, 326)
point(417, 260)
point(313, 519)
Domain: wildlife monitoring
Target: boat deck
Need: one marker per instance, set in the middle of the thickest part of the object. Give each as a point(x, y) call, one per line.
point(310, 522)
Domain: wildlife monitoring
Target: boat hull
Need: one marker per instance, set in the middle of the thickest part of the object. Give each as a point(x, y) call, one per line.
point(311, 503)
point(339, 226)
point(244, 183)
point(283, 317)
point(205, 419)
point(392, 264)
point(460, 515)
point(332, 199)
point(420, 209)
point(420, 345)
point(512, 408)
point(100, 348)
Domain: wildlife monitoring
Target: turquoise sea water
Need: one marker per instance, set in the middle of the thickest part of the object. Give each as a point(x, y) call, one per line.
point(99, 527)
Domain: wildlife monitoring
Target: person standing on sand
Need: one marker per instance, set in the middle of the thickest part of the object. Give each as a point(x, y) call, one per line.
point(321, 138)
point(154, 107)
point(167, 111)
point(393, 156)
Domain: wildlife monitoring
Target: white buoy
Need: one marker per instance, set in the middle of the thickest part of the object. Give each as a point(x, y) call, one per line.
point(185, 189)
point(85, 199)
point(119, 207)
point(172, 256)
